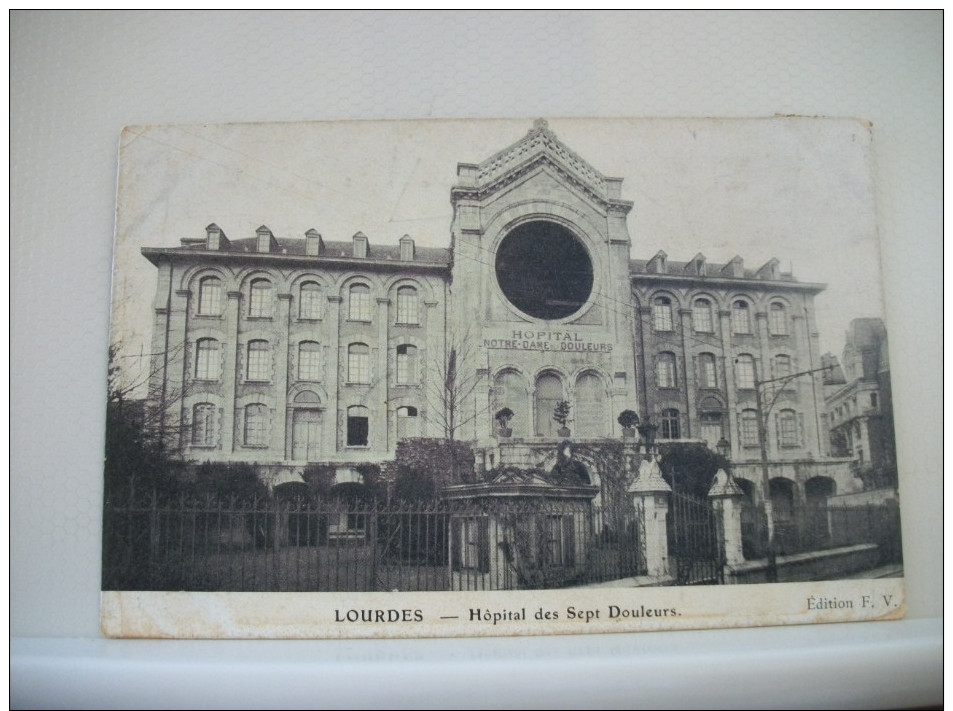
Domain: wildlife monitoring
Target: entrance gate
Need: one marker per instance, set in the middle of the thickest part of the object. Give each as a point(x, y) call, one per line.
point(694, 541)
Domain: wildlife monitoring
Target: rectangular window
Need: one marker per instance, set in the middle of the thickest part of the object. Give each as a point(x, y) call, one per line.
point(788, 429)
point(256, 425)
point(207, 360)
point(210, 297)
point(662, 315)
point(358, 364)
point(665, 369)
point(707, 373)
point(310, 304)
point(744, 372)
point(406, 364)
point(203, 425)
point(309, 361)
point(259, 361)
point(749, 428)
point(260, 303)
point(701, 316)
point(740, 319)
point(359, 303)
point(357, 427)
point(407, 305)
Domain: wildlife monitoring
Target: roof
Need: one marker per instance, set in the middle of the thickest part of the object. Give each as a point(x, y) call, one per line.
point(291, 247)
point(711, 271)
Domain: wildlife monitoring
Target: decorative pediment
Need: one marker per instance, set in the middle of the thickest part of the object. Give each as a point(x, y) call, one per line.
point(539, 147)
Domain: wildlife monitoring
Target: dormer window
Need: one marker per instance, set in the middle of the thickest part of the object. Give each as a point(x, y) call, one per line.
point(360, 246)
point(266, 241)
point(406, 249)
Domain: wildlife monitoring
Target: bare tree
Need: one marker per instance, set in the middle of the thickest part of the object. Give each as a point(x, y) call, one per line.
point(451, 391)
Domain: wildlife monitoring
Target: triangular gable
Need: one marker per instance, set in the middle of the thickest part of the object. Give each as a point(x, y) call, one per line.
point(539, 146)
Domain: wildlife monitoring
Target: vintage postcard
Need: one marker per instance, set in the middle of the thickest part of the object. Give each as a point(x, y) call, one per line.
point(457, 378)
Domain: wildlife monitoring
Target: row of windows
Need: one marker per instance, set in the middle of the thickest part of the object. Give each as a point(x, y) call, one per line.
point(666, 374)
point(310, 301)
point(305, 431)
point(703, 320)
point(258, 363)
point(711, 425)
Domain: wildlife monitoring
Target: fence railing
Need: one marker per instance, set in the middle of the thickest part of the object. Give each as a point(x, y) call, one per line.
point(799, 529)
point(271, 544)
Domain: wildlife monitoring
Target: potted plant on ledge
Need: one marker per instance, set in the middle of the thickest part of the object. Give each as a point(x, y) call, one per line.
point(561, 415)
point(629, 421)
point(503, 417)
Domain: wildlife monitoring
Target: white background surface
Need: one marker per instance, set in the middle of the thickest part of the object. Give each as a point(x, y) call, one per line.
point(76, 79)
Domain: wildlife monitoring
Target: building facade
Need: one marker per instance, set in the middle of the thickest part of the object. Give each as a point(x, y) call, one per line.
point(289, 351)
point(859, 406)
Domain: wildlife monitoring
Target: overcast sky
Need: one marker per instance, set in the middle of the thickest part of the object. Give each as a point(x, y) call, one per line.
point(795, 189)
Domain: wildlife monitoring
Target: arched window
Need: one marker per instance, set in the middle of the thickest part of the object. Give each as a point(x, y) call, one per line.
point(210, 296)
point(358, 363)
point(207, 359)
point(788, 429)
point(309, 360)
point(309, 301)
point(740, 317)
point(203, 424)
point(749, 428)
point(407, 422)
point(711, 429)
point(744, 372)
point(549, 391)
point(670, 424)
point(665, 370)
point(256, 425)
point(707, 371)
point(778, 319)
point(782, 367)
point(359, 303)
point(406, 364)
point(407, 305)
point(357, 426)
point(701, 316)
point(510, 390)
point(591, 415)
point(662, 314)
point(259, 305)
point(259, 361)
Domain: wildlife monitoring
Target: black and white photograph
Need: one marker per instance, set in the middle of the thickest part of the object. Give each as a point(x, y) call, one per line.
point(577, 374)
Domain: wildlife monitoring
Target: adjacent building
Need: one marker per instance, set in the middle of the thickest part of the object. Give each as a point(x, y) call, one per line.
point(859, 406)
point(284, 351)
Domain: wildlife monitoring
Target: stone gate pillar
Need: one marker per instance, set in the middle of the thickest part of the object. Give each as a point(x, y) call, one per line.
point(650, 495)
point(726, 496)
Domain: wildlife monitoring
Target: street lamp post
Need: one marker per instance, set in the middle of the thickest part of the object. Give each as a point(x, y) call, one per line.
point(762, 414)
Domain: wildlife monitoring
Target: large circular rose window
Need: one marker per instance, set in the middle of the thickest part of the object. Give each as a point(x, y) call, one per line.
point(544, 270)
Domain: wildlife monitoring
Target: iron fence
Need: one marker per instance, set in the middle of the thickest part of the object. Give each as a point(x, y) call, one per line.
point(799, 529)
point(275, 544)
